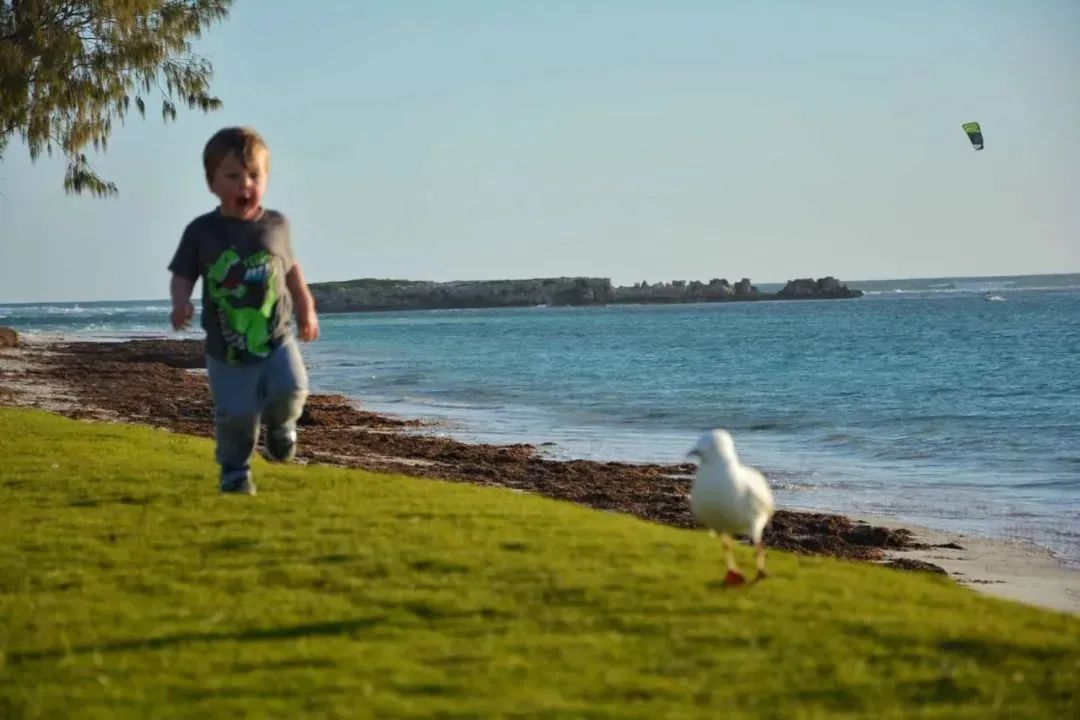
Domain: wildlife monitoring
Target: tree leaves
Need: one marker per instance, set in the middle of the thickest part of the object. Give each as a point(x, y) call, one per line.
point(69, 67)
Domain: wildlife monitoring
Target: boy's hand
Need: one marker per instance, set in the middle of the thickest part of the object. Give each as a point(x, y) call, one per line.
point(307, 321)
point(181, 315)
point(308, 325)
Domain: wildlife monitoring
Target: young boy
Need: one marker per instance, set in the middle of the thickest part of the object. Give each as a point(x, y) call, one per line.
point(251, 283)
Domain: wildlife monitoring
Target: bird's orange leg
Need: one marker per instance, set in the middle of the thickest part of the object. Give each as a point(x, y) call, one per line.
point(760, 553)
point(733, 575)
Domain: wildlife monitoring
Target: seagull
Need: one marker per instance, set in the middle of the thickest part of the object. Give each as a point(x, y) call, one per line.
point(730, 498)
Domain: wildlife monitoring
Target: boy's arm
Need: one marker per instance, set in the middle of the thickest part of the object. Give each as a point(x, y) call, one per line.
point(180, 290)
point(306, 319)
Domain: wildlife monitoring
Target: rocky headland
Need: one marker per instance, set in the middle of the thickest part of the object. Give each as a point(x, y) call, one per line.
point(370, 294)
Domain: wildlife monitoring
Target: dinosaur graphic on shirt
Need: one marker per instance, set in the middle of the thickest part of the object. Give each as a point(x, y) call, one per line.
point(236, 286)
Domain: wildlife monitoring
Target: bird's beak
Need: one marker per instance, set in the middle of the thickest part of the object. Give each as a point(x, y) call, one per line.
point(695, 453)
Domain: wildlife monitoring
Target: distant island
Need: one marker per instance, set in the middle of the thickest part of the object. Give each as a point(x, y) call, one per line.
point(370, 294)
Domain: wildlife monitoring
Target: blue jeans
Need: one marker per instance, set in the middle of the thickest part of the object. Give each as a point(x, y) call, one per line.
point(272, 390)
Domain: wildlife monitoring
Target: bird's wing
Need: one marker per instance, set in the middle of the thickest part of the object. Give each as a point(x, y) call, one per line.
point(757, 488)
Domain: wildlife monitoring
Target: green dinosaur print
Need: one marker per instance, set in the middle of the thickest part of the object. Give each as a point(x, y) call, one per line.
point(229, 279)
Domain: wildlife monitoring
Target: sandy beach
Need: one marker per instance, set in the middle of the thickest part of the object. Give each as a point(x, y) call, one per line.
point(159, 383)
point(1009, 569)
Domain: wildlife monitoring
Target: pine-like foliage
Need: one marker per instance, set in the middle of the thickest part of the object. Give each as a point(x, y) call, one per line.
point(69, 68)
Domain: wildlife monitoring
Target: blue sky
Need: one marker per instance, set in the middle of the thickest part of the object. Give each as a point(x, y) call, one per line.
point(632, 140)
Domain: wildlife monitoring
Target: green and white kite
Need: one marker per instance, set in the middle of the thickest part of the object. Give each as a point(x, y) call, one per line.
point(974, 133)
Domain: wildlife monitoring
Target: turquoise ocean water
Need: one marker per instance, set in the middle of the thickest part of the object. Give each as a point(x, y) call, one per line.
point(951, 402)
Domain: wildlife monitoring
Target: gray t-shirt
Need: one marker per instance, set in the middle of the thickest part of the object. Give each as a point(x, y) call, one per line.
point(246, 306)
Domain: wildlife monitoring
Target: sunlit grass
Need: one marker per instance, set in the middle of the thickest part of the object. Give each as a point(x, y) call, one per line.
point(130, 588)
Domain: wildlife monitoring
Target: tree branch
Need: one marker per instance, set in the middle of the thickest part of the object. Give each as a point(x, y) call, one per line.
point(73, 66)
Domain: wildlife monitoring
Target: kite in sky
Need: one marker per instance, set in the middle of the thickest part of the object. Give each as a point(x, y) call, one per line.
point(974, 133)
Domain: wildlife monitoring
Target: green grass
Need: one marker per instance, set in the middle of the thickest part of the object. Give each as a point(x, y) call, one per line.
point(130, 588)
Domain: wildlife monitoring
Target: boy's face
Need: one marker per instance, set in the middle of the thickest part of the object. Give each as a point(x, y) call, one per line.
point(240, 186)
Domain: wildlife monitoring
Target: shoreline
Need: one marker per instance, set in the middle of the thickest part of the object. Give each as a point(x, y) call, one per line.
point(1012, 569)
point(151, 381)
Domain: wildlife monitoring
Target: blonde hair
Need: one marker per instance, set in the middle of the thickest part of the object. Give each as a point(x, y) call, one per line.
point(243, 142)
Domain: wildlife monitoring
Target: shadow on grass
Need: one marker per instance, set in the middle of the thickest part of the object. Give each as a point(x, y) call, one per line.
point(984, 651)
point(341, 627)
point(996, 652)
point(262, 693)
point(112, 500)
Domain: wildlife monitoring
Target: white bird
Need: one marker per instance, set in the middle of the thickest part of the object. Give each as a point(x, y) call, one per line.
point(730, 498)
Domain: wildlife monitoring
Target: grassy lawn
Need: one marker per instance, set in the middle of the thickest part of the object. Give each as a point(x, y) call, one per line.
point(130, 588)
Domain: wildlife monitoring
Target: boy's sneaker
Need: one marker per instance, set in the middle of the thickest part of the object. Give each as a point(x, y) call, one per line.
point(280, 445)
point(238, 484)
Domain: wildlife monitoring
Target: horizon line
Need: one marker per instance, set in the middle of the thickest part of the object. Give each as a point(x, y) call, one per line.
point(16, 303)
